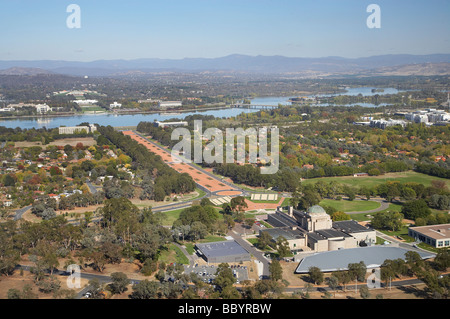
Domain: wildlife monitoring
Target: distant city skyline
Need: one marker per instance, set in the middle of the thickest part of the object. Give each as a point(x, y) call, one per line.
point(177, 29)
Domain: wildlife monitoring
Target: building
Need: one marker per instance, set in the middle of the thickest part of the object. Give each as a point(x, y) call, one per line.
point(428, 116)
point(169, 104)
point(7, 109)
point(77, 129)
point(386, 123)
point(437, 236)
point(114, 105)
point(223, 252)
point(86, 102)
point(338, 260)
point(43, 108)
point(167, 124)
point(313, 230)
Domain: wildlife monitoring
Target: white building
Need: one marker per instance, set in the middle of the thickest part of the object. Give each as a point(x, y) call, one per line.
point(169, 104)
point(43, 108)
point(114, 105)
point(77, 129)
point(386, 123)
point(167, 124)
point(85, 102)
point(7, 109)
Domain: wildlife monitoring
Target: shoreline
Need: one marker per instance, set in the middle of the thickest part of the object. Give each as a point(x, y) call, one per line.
point(175, 112)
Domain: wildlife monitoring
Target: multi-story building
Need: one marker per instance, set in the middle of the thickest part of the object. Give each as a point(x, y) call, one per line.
point(437, 236)
point(314, 230)
point(43, 108)
point(169, 104)
point(77, 129)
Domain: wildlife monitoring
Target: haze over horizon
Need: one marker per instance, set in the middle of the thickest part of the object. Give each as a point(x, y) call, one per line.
point(177, 29)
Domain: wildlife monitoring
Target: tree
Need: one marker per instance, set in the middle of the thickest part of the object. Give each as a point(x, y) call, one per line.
point(276, 271)
point(238, 204)
point(316, 275)
point(119, 283)
point(96, 288)
point(442, 259)
point(339, 216)
point(145, 289)
point(387, 220)
point(364, 292)
point(224, 277)
point(416, 209)
point(333, 283)
point(309, 198)
point(283, 247)
point(357, 271)
point(264, 240)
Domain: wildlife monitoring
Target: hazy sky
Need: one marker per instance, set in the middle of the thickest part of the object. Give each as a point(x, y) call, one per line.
point(131, 29)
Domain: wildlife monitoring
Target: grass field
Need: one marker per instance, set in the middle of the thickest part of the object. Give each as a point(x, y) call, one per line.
point(172, 216)
point(350, 206)
point(362, 216)
point(370, 181)
point(173, 254)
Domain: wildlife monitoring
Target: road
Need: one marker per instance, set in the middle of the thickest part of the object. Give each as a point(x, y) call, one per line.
point(21, 211)
point(92, 188)
point(252, 250)
point(383, 206)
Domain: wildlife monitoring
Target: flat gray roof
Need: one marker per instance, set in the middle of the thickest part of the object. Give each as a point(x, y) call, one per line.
point(350, 226)
point(285, 232)
point(221, 248)
point(373, 257)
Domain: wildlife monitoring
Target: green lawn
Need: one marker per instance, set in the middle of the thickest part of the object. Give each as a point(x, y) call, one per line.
point(350, 206)
point(403, 177)
point(173, 254)
point(363, 216)
point(403, 233)
point(171, 216)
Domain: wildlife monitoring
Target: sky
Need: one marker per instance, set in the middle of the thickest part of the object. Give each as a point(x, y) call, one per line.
point(177, 29)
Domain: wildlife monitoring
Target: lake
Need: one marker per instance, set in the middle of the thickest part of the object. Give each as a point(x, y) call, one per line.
point(364, 91)
point(113, 119)
point(134, 119)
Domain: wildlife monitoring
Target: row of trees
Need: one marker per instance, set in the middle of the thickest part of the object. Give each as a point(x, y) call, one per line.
point(165, 179)
point(437, 286)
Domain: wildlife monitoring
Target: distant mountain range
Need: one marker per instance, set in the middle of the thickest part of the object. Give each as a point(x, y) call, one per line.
point(236, 63)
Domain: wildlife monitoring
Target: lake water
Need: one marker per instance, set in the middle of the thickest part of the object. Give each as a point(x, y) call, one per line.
point(364, 91)
point(114, 120)
point(134, 119)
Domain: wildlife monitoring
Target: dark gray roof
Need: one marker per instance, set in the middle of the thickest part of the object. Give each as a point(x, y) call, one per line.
point(316, 236)
point(285, 232)
point(350, 226)
point(372, 256)
point(282, 220)
point(221, 248)
point(331, 233)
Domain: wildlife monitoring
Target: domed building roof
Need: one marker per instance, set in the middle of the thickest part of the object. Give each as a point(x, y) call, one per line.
point(316, 210)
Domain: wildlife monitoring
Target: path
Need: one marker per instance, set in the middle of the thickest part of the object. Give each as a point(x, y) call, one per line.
point(383, 206)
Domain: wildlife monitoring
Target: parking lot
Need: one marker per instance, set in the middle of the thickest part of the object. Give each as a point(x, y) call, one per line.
point(208, 272)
